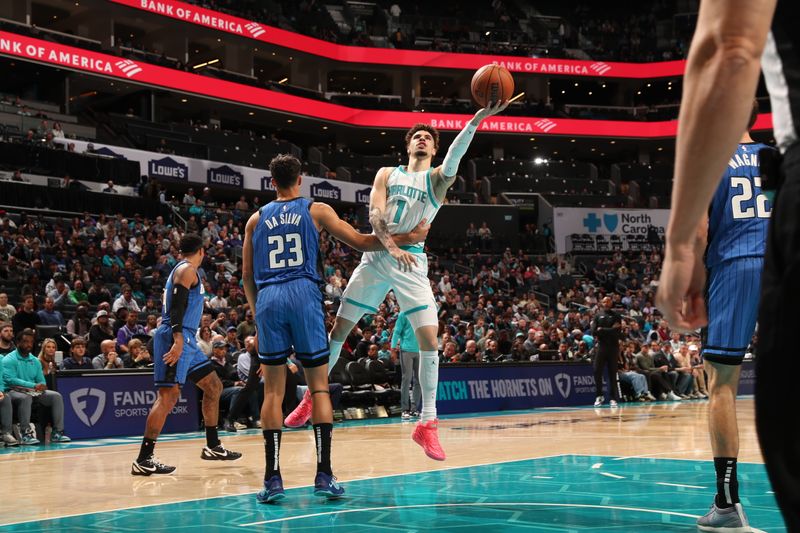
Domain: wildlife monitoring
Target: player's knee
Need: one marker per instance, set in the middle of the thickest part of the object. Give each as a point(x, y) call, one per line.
point(169, 396)
point(212, 386)
point(341, 328)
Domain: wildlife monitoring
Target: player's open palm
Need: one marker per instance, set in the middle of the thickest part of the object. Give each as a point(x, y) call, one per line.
point(680, 289)
point(491, 109)
point(172, 356)
point(405, 260)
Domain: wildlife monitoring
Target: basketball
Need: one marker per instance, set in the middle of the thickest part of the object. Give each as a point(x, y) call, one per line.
point(492, 83)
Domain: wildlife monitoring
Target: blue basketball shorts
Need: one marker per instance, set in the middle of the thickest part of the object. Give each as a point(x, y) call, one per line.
point(289, 318)
point(193, 363)
point(733, 290)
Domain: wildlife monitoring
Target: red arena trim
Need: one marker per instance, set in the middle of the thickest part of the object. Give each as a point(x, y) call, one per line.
point(404, 58)
point(144, 73)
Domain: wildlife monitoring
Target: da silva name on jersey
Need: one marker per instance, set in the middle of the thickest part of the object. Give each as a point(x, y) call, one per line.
point(290, 219)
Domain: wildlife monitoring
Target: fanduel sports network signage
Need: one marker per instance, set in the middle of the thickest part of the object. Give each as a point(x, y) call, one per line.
point(91, 62)
point(117, 404)
point(568, 221)
point(386, 56)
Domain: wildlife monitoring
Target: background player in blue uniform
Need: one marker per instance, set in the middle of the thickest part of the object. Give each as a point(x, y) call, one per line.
point(281, 281)
point(736, 239)
point(177, 357)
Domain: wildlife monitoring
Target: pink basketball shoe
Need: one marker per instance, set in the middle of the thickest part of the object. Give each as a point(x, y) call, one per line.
point(426, 434)
point(301, 413)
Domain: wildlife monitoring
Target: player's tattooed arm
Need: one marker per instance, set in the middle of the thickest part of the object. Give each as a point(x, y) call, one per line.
point(326, 218)
point(380, 224)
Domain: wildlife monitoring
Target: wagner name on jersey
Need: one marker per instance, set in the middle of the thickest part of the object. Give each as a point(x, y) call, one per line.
point(739, 214)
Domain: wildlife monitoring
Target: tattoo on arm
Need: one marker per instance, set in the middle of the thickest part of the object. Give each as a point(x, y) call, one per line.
point(378, 220)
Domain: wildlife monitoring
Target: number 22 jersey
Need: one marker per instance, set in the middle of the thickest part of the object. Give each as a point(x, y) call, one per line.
point(739, 214)
point(285, 243)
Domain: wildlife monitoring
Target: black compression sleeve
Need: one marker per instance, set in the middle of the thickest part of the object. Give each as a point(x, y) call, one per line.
point(180, 299)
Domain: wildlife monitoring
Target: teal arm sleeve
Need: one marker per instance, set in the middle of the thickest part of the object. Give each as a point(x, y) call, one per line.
point(458, 149)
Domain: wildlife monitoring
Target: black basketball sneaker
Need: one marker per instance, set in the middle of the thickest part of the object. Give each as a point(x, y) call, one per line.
point(150, 466)
point(219, 453)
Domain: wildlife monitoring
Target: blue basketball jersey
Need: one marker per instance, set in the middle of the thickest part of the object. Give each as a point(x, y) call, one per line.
point(285, 243)
point(739, 215)
point(194, 307)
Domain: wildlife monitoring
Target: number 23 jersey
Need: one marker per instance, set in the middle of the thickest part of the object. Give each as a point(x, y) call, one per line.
point(739, 214)
point(285, 243)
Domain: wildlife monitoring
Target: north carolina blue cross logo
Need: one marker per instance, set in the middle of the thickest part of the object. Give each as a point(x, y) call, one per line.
point(591, 222)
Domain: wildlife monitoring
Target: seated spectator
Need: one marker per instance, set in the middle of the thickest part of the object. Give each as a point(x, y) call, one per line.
point(128, 331)
point(59, 293)
point(683, 365)
point(77, 359)
point(49, 316)
point(564, 353)
point(491, 354)
point(77, 294)
point(138, 355)
point(7, 311)
point(204, 340)
point(24, 379)
point(450, 353)
point(698, 370)
point(246, 328)
point(6, 418)
point(222, 363)
point(100, 332)
point(107, 359)
point(98, 292)
point(47, 358)
point(6, 339)
point(151, 325)
point(125, 300)
point(80, 324)
point(636, 381)
point(26, 317)
point(218, 302)
point(232, 341)
point(659, 382)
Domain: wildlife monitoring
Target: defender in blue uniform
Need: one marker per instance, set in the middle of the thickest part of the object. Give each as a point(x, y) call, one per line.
point(736, 240)
point(177, 357)
point(279, 271)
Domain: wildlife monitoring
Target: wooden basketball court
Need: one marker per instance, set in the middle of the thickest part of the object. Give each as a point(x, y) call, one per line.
point(639, 467)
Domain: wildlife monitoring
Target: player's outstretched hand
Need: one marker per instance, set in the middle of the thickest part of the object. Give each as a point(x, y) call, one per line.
point(492, 108)
point(420, 233)
point(405, 260)
point(680, 288)
point(172, 356)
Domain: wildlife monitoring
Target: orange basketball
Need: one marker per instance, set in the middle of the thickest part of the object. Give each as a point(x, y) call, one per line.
point(492, 83)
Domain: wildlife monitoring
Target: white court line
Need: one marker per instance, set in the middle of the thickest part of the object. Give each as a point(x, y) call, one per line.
point(679, 485)
point(667, 458)
point(297, 487)
point(476, 504)
point(607, 474)
point(542, 477)
point(596, 466)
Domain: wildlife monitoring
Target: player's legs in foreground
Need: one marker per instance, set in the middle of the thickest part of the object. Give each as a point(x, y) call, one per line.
point(213, 450)
point(726, 513)
point(426, 434)
point(341, 329)
point(271, 423)
point(325, 483)
point(145, 464)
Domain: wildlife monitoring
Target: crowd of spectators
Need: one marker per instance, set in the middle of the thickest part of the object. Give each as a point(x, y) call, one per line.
point(98, 280)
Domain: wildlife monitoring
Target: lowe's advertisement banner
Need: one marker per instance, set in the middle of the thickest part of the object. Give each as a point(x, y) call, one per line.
point(111, 404)
point(568, 221)
point(188, 170)
point(465, 389)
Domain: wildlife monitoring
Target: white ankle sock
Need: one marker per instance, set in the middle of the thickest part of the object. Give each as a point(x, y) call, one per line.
point(429, 382)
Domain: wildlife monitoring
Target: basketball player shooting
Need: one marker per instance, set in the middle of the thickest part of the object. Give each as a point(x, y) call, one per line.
point(401, 197)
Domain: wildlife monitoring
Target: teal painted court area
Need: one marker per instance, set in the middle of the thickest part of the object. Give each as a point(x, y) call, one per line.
point(555, 494)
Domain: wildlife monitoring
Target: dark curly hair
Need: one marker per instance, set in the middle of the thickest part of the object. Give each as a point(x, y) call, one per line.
point(285, 169)
point(424, 127)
